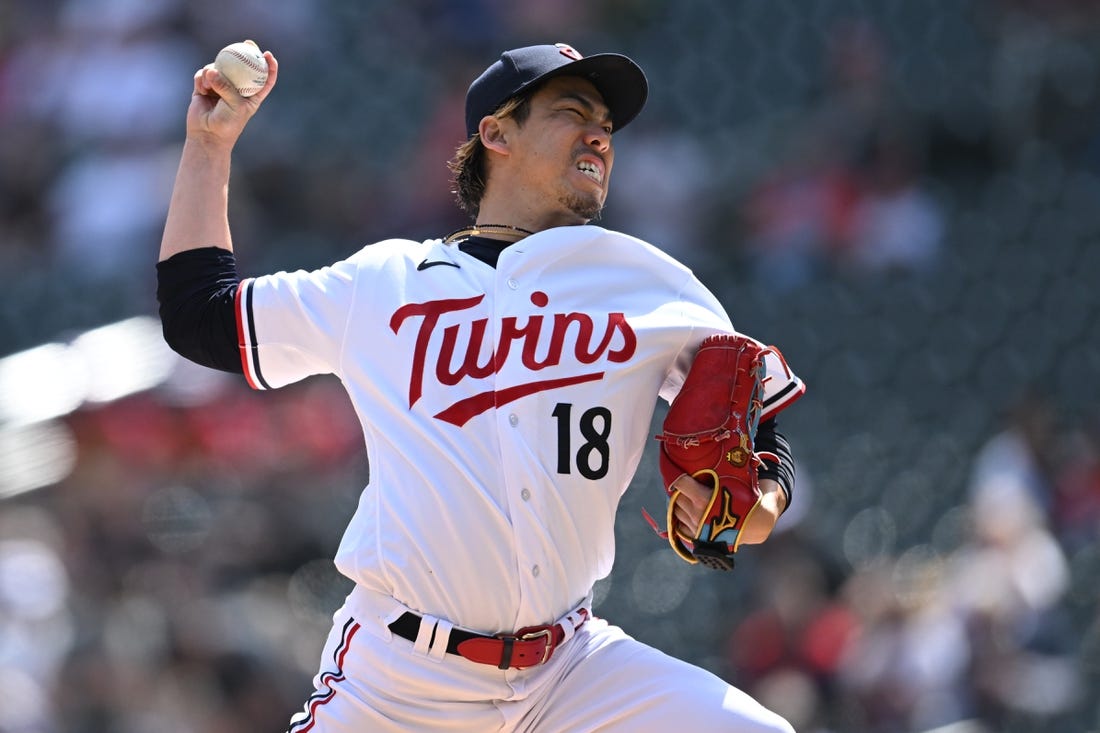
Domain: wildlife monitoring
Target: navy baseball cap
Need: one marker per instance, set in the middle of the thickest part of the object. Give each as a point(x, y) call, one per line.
point(620, 81)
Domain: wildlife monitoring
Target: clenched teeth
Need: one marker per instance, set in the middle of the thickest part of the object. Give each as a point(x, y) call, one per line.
point(591, 170)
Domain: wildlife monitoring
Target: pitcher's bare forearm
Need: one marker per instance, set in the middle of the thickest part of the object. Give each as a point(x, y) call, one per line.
point(198, 214)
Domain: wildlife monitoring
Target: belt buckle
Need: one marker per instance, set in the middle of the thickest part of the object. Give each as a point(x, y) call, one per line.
point(545, 631)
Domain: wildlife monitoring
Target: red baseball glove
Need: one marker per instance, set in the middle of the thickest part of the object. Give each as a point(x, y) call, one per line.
point(708, 434)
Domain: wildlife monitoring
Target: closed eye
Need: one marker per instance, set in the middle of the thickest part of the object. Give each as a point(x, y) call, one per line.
point(585, 109)
point(584, 116)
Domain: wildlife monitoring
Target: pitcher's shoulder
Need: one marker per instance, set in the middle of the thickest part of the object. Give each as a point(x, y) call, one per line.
point(393, 250)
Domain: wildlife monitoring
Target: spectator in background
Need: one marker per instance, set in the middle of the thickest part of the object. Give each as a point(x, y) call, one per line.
point(849, 193)
point(799, 214)
point(109, 198)
point(1009, 578)
point(131, 634)
point(789, 650)
point(1017, 463)
point(1008, 581)
point(906, 670)
point(1043, 68)
point(36, 624)
point(1076, 505)
point(896, 225)
point(663, 179)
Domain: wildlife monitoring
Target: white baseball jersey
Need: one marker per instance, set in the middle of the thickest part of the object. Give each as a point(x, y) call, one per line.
point(504, 410)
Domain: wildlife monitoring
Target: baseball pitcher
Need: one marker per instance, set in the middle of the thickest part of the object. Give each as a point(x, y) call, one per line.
point(505, 377)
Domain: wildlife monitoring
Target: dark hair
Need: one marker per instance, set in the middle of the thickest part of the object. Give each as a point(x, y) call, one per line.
point(468, 163)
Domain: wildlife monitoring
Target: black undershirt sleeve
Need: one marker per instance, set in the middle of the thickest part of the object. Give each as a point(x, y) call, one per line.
point(770, 441)
point(196, 290)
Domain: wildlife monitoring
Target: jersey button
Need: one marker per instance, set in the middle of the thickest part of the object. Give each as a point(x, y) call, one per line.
point(512, 284)
point(514, 419)
point(535, 571)
point(525, 495)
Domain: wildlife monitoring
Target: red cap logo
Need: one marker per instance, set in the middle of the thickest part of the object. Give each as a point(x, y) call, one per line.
point(568, 51)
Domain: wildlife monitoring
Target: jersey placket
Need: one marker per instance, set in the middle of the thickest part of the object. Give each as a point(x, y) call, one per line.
point(512, 299)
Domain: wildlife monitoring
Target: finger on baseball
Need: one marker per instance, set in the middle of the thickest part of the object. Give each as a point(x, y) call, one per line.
point(209, 81)
point(224, 87)
point(272, 75)
point(201, 86)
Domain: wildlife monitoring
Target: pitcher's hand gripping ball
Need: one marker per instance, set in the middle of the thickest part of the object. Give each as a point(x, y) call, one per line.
point(244, 65)
point(708, 434)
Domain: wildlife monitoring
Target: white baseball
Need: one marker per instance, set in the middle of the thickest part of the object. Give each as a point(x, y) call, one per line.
point(244, 65)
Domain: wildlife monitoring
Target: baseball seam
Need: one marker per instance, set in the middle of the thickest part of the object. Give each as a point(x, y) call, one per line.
point(249, 61)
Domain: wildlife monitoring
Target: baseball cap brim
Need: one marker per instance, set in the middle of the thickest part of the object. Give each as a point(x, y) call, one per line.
point(619, 80)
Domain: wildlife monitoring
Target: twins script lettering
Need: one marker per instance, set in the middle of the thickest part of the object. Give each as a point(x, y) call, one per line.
point(557, 336)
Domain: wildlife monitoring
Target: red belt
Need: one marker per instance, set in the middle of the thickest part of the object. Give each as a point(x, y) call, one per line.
point(528, 647)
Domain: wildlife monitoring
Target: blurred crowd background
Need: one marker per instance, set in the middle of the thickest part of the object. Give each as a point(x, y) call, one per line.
point(902, 194)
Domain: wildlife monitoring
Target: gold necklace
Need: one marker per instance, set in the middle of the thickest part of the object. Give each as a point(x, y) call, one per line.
point(516, 233)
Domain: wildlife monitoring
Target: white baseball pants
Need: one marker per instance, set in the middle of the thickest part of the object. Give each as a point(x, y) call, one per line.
point(600, 680)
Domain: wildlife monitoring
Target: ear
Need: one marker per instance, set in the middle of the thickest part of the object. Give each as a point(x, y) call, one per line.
point(493, 135)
